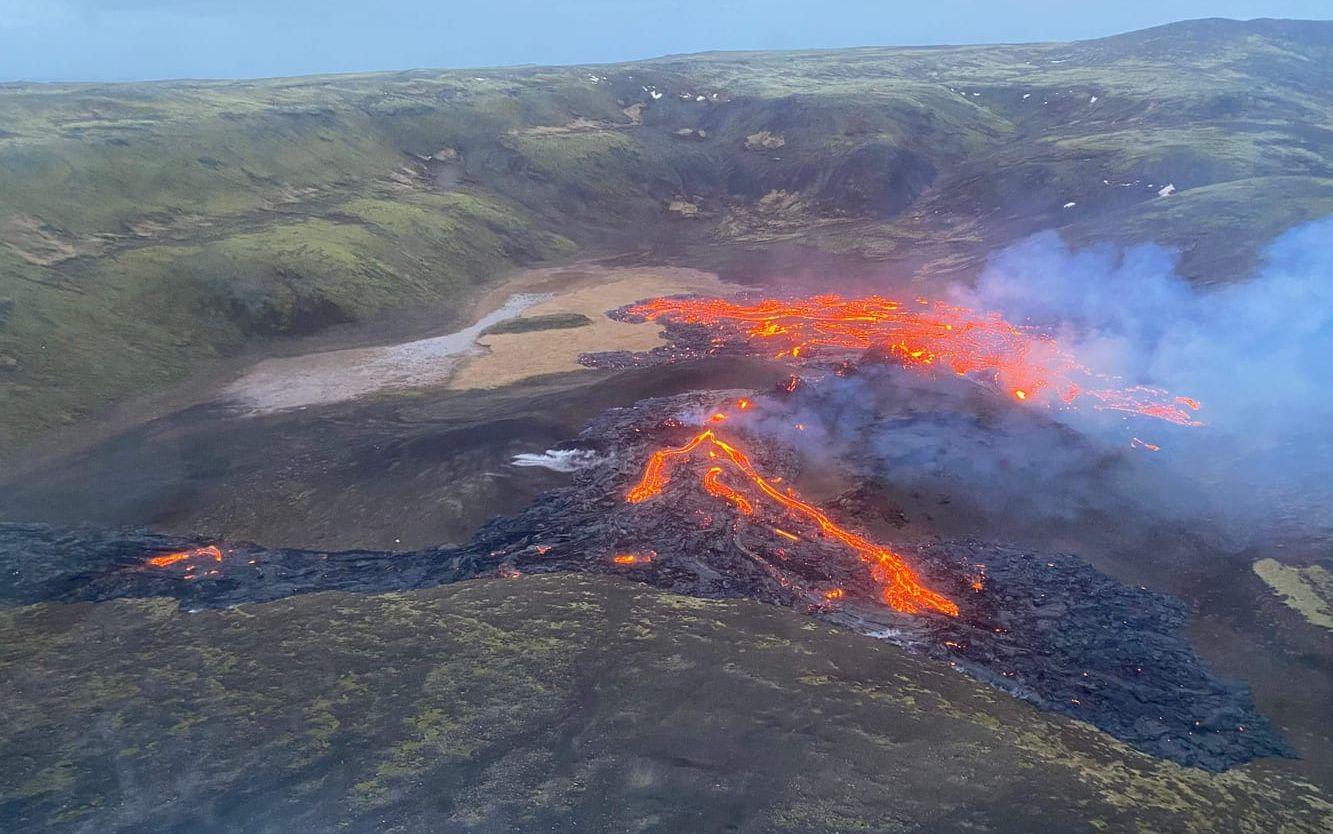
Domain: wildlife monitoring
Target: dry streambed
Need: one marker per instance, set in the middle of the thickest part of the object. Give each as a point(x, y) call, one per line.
point(472, 358)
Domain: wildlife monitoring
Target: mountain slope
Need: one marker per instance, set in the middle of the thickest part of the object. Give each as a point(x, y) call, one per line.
point(146, 228)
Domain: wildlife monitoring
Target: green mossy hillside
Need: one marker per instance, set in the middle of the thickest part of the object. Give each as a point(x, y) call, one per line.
point(555, 703)
point(145, 228)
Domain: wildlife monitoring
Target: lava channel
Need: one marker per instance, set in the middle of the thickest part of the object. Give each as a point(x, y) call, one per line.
point(900, 587)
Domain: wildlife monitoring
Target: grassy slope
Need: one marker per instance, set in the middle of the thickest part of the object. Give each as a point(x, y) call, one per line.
point(557, 703)
point(145, 227)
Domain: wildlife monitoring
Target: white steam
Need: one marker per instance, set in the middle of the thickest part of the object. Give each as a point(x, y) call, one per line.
point(559, 460)
point(1258, 354)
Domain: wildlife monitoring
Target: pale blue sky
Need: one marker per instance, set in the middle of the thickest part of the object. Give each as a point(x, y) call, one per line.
point(139, 39)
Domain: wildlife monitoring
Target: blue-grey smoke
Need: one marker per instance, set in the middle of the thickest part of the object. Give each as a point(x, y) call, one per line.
point(1258, 354)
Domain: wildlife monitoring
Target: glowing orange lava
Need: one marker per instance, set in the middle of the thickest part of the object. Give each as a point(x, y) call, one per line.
point(162, 561)
point(930, 335)
point(714, 486)
point(632, 558)
point(900, 587)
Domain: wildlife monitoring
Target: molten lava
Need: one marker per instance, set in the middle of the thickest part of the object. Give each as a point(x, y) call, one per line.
point(1020, 360)
point(162, 561)
point(633, 558)
point(899, 585)
point(714, 486)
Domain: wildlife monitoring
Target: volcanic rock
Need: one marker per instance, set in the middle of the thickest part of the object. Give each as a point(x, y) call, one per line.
point(1047, 628)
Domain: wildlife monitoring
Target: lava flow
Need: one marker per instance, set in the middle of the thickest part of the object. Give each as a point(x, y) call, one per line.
point(166, 559)
point(1029, 365)
point(900, 587)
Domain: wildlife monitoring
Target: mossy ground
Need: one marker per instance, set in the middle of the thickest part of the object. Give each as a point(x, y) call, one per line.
point(530, 324)
point(553, 703)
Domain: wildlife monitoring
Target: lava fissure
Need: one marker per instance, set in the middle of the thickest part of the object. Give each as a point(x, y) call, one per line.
point(1021, 360)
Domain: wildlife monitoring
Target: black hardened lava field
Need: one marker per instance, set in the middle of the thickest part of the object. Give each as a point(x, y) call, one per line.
point(1045, 627)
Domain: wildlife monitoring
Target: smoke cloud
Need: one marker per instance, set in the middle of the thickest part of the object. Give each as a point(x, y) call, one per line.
point(1257, 354)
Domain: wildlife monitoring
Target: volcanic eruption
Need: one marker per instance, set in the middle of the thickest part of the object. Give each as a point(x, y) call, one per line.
point(900, 587)
point(692, 493)
point(685, 495)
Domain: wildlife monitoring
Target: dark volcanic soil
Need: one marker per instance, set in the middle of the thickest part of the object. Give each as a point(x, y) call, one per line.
point(394, 473)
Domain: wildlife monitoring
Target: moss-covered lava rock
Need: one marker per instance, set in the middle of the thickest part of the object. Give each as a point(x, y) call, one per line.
point(554, 703)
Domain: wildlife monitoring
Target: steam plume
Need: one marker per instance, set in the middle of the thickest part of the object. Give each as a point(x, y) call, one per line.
point(1258, 354)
